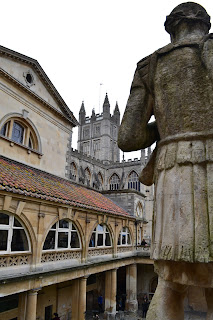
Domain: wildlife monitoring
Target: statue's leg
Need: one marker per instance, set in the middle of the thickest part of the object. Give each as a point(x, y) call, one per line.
point(209, 301)
point(167, 303)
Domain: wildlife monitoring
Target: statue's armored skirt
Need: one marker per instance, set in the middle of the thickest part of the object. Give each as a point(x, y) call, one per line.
point(183, 213)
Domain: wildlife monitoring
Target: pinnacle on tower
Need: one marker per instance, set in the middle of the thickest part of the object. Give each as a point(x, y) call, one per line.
point(106, 107)
point(82, 109)
point(93, 117)
point(116, 114)
point(82, 113)
point(116, 110)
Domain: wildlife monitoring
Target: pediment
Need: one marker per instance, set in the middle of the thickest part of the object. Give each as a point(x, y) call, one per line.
point(28, 73)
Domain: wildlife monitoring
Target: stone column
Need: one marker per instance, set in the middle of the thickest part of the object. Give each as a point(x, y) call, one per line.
point(22, 304)
point(82, 298)
point(31, 304)
point(110, 294)
point(131, 288)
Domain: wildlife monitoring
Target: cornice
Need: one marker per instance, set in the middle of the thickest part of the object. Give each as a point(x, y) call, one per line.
point(34, 63)
point(34, 95)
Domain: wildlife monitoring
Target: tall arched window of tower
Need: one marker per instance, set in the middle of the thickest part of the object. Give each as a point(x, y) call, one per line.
point(114, 182)
point(100, 237)
point(62, 235)
point(133, 181)
point(13, 236)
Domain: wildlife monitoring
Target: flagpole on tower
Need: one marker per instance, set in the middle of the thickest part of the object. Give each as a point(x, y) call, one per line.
point(100, 97)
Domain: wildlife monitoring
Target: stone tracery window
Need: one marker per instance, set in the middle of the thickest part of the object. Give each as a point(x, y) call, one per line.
point(100, 237)
point(62, 235)
point(13, 237)
point(19, 130)
point(114, 182)
point(133, 181)
point(124, 237)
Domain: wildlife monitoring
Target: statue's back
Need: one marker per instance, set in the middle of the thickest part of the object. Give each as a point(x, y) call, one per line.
point(183, 90)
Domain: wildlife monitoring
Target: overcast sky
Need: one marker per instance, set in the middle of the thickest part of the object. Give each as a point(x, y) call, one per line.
point(82, 43)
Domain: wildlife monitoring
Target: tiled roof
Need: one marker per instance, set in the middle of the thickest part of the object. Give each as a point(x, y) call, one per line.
point(19, 178)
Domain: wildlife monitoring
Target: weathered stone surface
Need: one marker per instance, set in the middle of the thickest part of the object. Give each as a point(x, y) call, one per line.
point(175, 85)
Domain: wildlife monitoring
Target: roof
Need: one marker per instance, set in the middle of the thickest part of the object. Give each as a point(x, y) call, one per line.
point(34, 63)
point(21, 179)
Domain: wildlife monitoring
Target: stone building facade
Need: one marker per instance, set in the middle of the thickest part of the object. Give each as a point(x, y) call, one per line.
point(63, 241)
point(97, 164)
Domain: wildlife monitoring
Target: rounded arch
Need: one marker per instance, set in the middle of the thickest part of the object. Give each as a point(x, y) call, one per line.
point(114, 181)
point(63, 234)
point(15, 236)
point(133, 180)
point(125, 237)
point(27, 123)
point(101, 236)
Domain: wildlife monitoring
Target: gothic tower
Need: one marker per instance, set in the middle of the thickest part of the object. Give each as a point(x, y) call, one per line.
point(97, 135)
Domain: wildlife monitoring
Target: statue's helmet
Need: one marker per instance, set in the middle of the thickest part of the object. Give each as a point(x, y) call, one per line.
point(188, 11)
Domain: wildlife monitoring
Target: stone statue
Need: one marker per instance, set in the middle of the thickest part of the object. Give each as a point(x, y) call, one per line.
point(175, 84)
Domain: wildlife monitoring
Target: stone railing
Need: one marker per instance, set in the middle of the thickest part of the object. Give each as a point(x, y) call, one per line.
point(12, 260)
point(99, 251)
point(60, 255)
point(121, 249)
point(144, 249)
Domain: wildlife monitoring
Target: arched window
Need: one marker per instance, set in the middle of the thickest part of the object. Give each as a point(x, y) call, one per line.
point(73, 171)
point(100, 237)
point(139, 210)
point(133, 182)
point(114, 182)
point(13, 237)
point(21, 131)
point(62, 235)
point(87, 176)
point(124, 237)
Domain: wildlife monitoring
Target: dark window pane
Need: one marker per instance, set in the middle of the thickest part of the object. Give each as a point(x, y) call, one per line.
point(50, 241)
point(19, 240)
point(54, 226)
point(73, 227)
point(63, 240)
point(17, 223)
point(92, 241)
point(3, 239)
point(4, 218)
point(30, 143)
point(123, 239)
point(18, 132)
point(128, 239)
point(74, 240)
point(100, 241)
point(3, 129)
point(63, 224)
point(107, 240)
point(8, 303)
point(119, 240)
